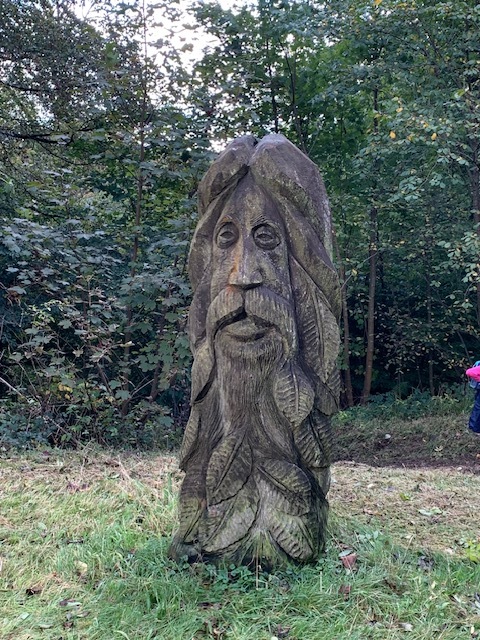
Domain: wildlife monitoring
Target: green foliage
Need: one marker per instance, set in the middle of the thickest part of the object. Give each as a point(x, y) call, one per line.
point(23, 426)
point(472, 550)
point(419, 404)
point(106, 130)
point(96, 225)
point(64, 325)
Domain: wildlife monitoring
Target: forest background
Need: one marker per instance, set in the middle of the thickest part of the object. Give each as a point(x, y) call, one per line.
point(107, 125)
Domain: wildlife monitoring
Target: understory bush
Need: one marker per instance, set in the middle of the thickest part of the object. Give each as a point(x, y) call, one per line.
point(91, 348)
point(25, 425)
point(388, 406)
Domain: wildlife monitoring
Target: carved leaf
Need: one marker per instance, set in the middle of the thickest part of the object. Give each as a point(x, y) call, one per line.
point(293, 393)
point(190, 510)
point(313, 440)
point(197, 315)
point(202, 371)
point(229, 167)
point(329, 393)
point(285, 487)
point(311, 340)
point(331, 336)
point(229, 468)
point(293, 535)
point(190, 436)
point(228, 523)
point(320, 334)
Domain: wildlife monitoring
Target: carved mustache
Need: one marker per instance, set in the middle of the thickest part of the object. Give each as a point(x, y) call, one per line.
point(260, 304)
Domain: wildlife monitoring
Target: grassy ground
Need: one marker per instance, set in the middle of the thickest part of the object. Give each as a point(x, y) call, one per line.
point(83, 539)
point(374, 436)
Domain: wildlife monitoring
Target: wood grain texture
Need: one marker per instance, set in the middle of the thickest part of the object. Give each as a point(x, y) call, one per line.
point(264, 334)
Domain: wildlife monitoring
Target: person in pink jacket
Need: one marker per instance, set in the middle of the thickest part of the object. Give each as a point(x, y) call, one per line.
point(474, 374)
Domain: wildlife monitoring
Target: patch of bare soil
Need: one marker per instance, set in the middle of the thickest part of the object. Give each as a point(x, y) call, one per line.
point(435, 508)
point(423, 442)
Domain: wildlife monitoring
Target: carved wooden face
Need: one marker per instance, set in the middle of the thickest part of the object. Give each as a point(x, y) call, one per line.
point(250, 263)
point(249, 244)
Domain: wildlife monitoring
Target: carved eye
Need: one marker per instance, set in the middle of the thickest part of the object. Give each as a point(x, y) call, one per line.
point(227, 235)
point(266, 237)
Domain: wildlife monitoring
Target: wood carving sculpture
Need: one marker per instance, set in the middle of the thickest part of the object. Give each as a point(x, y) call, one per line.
point(264, 335)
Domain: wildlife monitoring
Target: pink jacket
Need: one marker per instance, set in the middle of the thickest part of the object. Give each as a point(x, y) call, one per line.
point(474, 373)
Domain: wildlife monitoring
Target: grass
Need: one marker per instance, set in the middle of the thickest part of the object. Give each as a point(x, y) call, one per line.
point(84, 535)
point(409, 432)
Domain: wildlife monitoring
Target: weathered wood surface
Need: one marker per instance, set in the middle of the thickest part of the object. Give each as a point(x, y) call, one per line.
point(264, 334)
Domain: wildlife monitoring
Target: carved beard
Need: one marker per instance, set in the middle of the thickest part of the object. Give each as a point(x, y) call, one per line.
point(247, 495)
point(260, 502)
point(251, 348)
point(251, 324)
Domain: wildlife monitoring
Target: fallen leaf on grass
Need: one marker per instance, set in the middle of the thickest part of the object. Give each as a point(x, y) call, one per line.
point(458, 599)
point(460, 604)
point(212, 630)
point(394, 586)
point(476, 602)
point(209, 605)
point(81, 568)
point(426, 563)
point(282, 632)
point(434, 511)
point(33, 591)
point(73, 487)
point(349, 561)
point(406, 626)
point(345, 590)
point(69, 603)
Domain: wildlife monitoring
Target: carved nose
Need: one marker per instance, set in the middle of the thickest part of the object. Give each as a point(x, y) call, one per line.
point(246, 272)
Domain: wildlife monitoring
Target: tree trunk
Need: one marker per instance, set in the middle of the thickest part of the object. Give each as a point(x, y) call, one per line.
point(372, 282)
point(273, 96)
point(372, 258)
point(474, 174)
point(346, 326)
point(138, 220)
point(431, 380)
point(292, 72)
point(429, 242)
point(135, 249)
